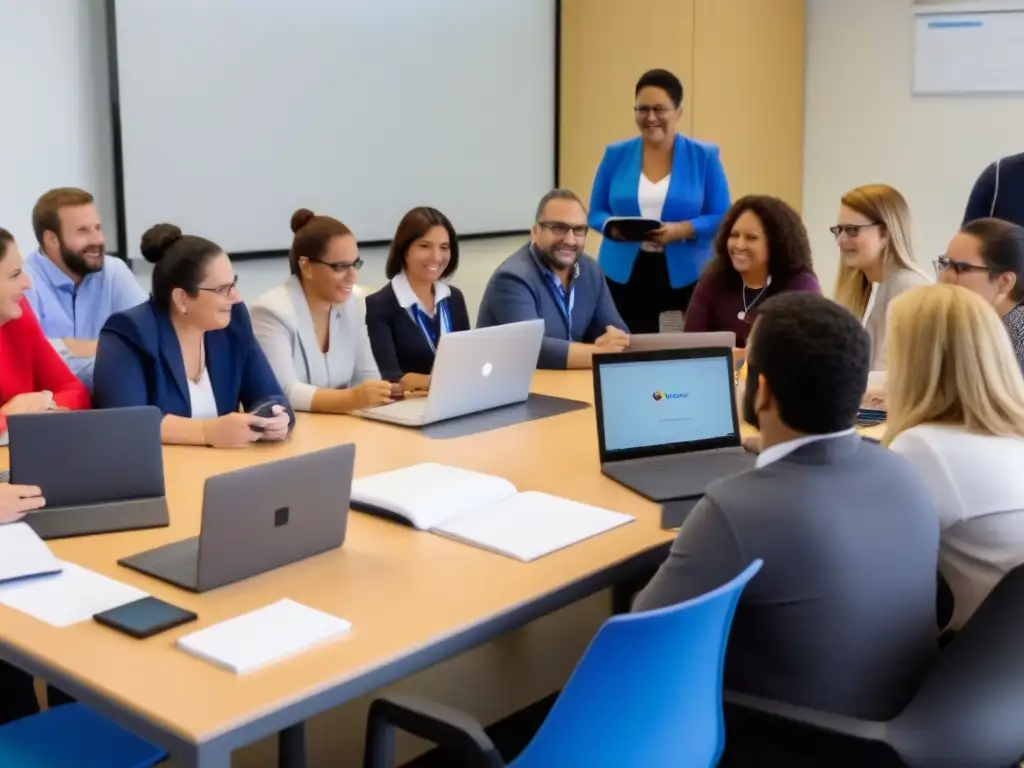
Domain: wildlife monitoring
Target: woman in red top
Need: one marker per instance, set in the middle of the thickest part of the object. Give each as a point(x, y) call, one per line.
point(32, 375)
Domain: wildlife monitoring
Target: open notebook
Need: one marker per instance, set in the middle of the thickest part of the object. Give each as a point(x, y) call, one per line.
point(482, 510)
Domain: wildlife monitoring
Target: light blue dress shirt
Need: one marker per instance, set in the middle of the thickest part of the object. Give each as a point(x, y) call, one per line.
point(69, 312)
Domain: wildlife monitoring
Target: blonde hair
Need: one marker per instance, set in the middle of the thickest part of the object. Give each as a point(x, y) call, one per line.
point(887, 207)
point(950, 361)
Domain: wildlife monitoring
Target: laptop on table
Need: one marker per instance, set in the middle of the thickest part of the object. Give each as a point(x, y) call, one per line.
point(666, 421)
point(100, 471)
point(259, 518)
point(474, 371)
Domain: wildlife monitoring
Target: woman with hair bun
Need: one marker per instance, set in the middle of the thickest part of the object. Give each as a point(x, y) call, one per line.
point(313, 329)
point(190, 351)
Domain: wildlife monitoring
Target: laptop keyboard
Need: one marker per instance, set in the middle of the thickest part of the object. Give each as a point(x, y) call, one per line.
point(725, 458)
point(681, 475)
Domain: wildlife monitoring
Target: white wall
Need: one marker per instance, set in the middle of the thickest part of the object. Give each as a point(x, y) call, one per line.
point(863, 126)
point(54, 98)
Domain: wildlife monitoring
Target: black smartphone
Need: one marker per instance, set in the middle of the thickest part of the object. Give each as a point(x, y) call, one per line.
point(264, 410)
point(145, 618)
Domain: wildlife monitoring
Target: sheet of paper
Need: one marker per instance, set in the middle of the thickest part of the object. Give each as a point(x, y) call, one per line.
point(263, 636)
point(73, 595)
point(23, 553)
point(532, 524)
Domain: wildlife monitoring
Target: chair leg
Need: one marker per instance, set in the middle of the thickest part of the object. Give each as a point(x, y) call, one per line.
point(291, 747)
point(379, 751)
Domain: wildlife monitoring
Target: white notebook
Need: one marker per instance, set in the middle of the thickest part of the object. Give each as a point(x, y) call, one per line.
point(263, 636)
point(24, 554)
point(482, 510)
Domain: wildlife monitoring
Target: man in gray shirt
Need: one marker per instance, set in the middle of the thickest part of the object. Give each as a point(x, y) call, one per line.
point(842, 615)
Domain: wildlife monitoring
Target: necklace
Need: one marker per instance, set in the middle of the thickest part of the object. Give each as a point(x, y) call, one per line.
point(202, 362)
point(747, 307)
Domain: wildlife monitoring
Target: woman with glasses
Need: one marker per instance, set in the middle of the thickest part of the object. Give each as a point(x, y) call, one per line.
point(761, 251)
point(987, 257)
point(190, 351)
point(313, 328)
point(876, 261)
point(407, 317)
point(665, 176)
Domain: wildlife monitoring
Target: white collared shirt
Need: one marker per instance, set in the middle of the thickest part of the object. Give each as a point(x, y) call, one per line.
point(406, 297)
point(782, 450)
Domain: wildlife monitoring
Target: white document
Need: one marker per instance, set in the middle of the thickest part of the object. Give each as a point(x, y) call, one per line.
point(263, 636)
point(23, 553)
point(73, 595)
point(483, 510)
point(531, 525)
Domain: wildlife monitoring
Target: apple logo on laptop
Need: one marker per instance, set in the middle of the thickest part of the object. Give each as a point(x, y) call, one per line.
point(486, 370)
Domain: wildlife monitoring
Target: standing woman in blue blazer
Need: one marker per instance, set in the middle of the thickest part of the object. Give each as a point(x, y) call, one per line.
point(660, 175)
point(190, 350)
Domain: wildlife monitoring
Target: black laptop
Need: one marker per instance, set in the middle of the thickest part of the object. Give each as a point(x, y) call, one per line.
point(667, 422)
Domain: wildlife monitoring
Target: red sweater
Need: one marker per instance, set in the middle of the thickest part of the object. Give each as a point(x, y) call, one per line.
point(28, 363)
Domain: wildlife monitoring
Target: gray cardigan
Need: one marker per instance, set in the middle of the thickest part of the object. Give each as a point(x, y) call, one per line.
point(895, 283)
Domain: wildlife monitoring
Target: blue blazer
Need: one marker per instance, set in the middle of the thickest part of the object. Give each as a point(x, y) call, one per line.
point(698, 192)
point(519, 290)
point(139, 362)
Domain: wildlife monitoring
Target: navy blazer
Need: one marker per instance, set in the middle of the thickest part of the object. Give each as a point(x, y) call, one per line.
point(519, 290)
point(398, 344)
point(697, 192)
point(139, 362)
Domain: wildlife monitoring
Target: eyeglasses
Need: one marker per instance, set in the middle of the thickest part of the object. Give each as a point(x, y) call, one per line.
point(339, 266)
point(658, 110)
point(222, 290)
point(959, 267)
point(562, 229)
point(850, 230)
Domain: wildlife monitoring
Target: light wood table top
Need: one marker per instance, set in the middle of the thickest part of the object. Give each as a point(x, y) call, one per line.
point(403, 590)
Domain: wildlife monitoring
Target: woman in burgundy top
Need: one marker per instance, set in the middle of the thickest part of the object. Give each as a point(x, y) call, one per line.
point(761, 250)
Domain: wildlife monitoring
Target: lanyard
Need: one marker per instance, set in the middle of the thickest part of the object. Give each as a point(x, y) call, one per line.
point(565, 300)
point(433, 327)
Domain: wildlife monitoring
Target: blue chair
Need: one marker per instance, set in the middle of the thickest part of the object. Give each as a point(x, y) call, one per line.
point(647, 692)
point(72, 734)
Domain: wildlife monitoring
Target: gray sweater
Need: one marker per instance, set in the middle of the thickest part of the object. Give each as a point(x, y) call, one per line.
point(895, 283)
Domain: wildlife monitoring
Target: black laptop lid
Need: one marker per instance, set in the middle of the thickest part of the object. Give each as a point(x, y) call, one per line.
point(664, 402)
point(89, 457)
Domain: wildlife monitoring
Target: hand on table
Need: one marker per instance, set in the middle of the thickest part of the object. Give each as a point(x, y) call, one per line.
point(234, 430)
point(16, 500)
point(612, 340)
point(372, 393)
point(28, 402)
point(275, 427)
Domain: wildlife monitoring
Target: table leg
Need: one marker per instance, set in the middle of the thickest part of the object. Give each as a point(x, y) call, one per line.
point(203, 756)
point(291, 747)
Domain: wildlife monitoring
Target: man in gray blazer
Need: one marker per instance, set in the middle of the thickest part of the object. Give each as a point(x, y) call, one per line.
point(552, 279)
point(842, 616)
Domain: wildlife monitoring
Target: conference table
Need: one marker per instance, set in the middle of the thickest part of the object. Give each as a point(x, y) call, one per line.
point(413, 598)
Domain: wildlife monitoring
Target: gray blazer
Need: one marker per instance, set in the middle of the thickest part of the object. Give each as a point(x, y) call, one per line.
point(842, 615)
point(284, 328)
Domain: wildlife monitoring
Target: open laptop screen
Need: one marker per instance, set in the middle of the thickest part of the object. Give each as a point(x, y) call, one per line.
point(665, 402)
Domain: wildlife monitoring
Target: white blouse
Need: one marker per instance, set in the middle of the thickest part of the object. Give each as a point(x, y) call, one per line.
point(978, 487)
point(200, 395)
point(651, 197)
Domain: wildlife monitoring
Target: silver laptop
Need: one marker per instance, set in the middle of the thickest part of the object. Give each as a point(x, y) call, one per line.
point(473, 371)
point(666, 420)
point(100, 471)
point(644, 342)
point(259, 518)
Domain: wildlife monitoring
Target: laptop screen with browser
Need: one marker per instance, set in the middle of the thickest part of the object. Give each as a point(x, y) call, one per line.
point(667, 400)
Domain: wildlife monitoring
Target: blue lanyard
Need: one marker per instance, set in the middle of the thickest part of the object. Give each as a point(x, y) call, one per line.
point(433, 327)
point(565, 300)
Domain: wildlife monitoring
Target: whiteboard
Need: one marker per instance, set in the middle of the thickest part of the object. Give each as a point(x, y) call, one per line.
point(963, 53)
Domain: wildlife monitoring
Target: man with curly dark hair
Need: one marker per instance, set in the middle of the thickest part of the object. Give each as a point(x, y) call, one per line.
point(761, 250)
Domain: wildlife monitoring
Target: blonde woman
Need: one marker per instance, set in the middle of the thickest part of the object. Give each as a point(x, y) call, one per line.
point(956, 411)
point(876, 260)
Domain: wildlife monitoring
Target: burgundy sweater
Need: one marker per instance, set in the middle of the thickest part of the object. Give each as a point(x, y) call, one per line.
point(717, 302)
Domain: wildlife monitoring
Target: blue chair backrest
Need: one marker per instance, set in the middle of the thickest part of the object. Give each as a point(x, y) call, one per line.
point(648, 690)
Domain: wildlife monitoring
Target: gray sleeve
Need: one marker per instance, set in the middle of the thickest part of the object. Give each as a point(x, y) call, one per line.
point(705, 555)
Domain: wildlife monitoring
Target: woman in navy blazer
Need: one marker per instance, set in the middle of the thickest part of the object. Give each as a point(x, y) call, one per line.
point(407, 317)
point(190, 351)
point(660, 175)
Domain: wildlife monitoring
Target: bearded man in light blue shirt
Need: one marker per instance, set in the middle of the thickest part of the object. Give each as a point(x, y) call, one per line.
point(76, 286)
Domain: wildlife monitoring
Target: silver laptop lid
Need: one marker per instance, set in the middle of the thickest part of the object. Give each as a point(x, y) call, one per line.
point(644, 342)
point(483, 368)
point(664, 402)
point(262, 517)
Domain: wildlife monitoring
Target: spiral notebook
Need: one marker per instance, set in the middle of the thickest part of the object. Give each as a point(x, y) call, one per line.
point(483, 510)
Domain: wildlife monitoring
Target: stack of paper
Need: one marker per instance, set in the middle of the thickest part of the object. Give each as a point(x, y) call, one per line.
point(24, 554)
point(263, 636)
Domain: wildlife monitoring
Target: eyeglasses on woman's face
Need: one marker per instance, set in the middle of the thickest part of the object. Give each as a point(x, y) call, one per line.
point(850, 230)
point(339, 266)
point(945, 264)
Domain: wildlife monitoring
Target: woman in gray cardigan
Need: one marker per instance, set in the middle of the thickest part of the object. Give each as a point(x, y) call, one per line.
point(313, 328)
